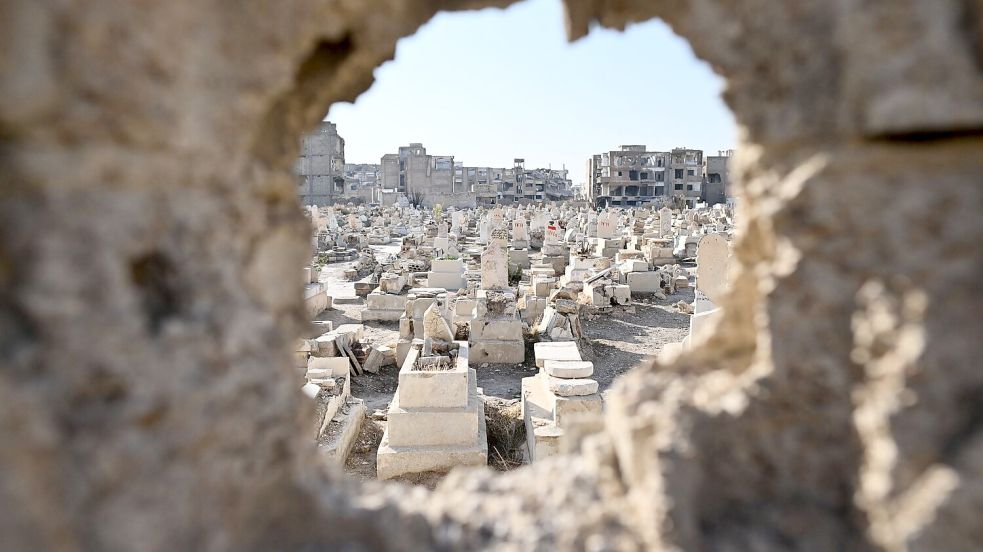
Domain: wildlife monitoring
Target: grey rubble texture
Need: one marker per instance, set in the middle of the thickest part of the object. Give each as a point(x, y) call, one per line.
point(148, 222)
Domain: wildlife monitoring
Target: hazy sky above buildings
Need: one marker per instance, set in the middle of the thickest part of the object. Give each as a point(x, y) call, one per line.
point(488, 86)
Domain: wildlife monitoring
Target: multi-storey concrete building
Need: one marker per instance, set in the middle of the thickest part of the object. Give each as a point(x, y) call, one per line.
point(539, 185)
point(486, 183)
point(634, 176)
point(424, 179)
point(321, 166)
point(716, 188)
point(519, 184)
point(363, 180)
point(629, 176)
point(686, 173)
point(430, 179)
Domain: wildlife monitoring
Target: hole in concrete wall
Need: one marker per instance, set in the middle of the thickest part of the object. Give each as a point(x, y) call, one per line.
point(508, 94)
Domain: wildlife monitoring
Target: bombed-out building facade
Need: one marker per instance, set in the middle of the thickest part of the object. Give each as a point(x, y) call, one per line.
point(633, 176)
point(716, 187)
point(427, 180)
point(320, 167)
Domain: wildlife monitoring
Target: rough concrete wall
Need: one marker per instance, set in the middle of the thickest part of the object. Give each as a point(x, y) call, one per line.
point(149, 237)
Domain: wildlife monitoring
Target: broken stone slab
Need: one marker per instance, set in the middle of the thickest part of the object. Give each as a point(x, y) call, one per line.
point(373, 362)
point(567, 410)
point(566, 306)
point(336, 366)
point(326, 345)
point(575, 387)
point(304, 346)
point(563, 350)
point(311, 390)
point(343, 344)
point(569, 369)
point(548, 321)
point(434, 325)
point(684, 307)
point(644, 282)
point(326, 383)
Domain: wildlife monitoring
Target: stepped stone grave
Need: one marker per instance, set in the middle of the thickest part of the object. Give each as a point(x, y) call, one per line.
point(557, 398)
point(436, 420)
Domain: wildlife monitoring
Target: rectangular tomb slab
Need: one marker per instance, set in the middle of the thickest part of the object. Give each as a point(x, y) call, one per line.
point(434, 389)
point(435, 426)
point(572, 387)
point(568, 408)
point(499, 351)
point(496, 329)
point(451, 266)
point(336, 366)
point(569, 368)
point(393, 461)
point(559, 350)
point(644, 282)
point(451, 281)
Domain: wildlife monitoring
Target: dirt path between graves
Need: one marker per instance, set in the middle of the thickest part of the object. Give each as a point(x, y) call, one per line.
point(628, 336)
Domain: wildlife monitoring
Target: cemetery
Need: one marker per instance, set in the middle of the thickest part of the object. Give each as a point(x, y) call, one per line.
point(461, 310)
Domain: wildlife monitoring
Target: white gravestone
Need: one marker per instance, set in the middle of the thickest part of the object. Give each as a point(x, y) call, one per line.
point(494, 267)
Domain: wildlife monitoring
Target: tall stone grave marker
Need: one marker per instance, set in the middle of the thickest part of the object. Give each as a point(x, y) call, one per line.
point(494, 267)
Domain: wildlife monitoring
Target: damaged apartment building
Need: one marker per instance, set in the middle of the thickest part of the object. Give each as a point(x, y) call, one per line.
point(363, 181)
point(520, 185)
point(428, 180)
point(424, 179)
point(320, 168)
point(716, 185)
point(633, 176)
point(323, 176)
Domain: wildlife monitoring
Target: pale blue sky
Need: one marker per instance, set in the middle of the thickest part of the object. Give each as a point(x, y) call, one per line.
point(488, 86)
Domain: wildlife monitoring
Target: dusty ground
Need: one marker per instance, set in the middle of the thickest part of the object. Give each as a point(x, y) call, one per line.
point(617, 339)
point(361, 460)
point(625, 337)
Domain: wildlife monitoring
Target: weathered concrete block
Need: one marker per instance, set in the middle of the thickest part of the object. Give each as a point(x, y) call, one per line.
point(645, 282)
point(572, 387)
point(566, 350)
point(411, 427)
point(436, 389)
point(567, 409)
point(509, 329)
point(450, 281)
point(337, 366)
point(634, 265)
point(569, 368)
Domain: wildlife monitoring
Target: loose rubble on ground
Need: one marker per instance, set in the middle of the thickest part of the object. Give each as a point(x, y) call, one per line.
point(547, 301)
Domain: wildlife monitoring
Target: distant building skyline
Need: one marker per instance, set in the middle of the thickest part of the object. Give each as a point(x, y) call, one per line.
point(491, 85)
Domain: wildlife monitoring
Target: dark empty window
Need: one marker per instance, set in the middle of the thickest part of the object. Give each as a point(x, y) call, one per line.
point(645, 176)
point(679, 186)
point(632, 175)
point(691, 172)
point(679, 173)
point(660, 176)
